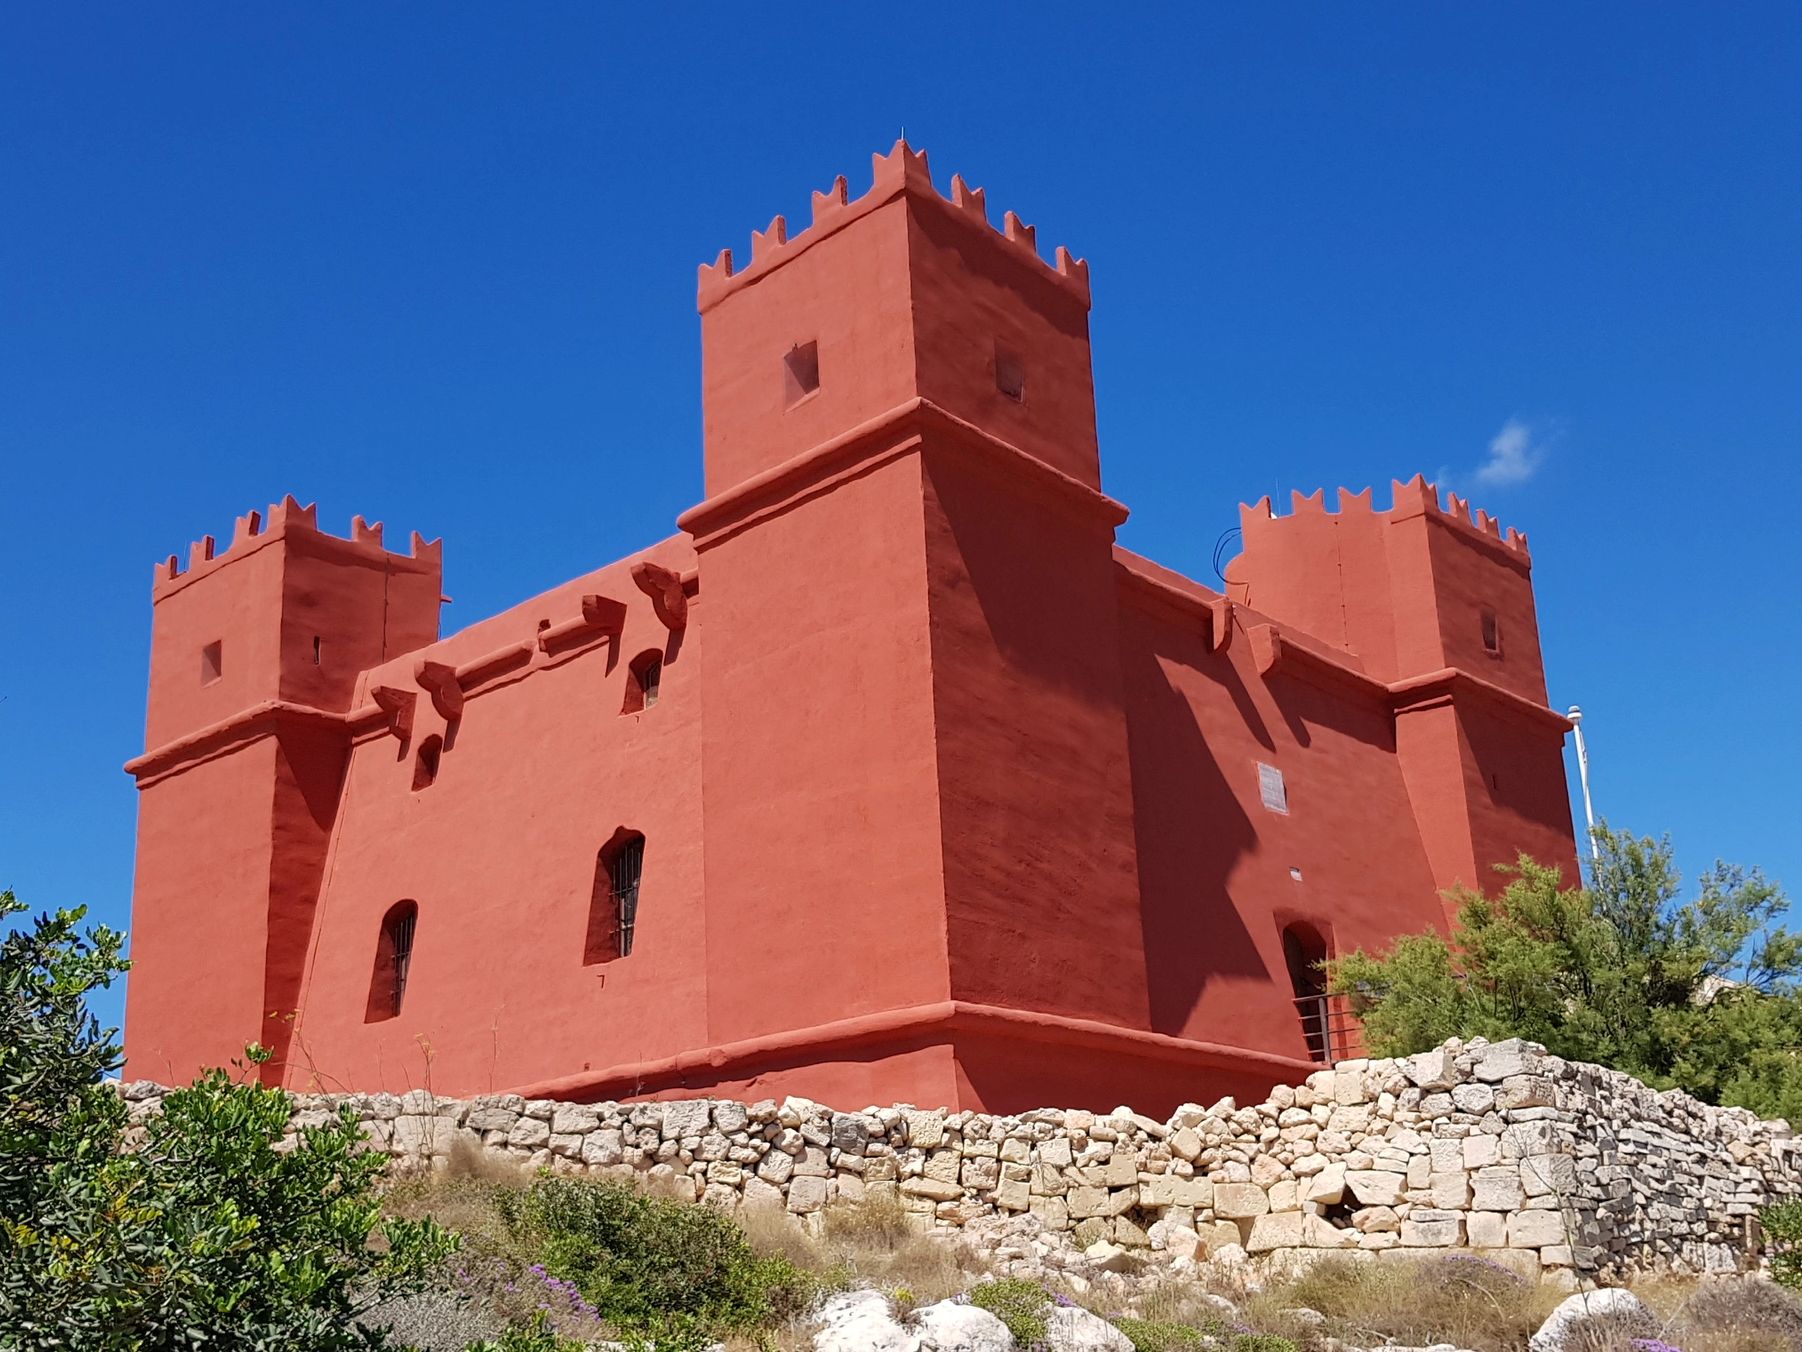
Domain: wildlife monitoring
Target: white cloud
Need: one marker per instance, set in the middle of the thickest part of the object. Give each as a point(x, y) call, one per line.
point(1515, 455)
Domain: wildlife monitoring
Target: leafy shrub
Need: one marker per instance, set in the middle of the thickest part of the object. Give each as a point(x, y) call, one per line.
point(529, 1335)
point(1147, 1335)
point(1783, 1223)
point(652, 1265)
point(1017, 1303)
point(1263, 1342)
point(208, 1233)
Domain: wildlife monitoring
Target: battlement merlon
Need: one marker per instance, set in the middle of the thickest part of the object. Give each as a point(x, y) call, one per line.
point(299, 526)
point(1417, 497)
point(903, 171)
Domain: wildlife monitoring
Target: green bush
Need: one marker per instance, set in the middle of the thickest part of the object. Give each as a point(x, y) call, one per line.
point(206, 1233)
point(1783, 1223)
point(1263, 1342)
point(1160, 1335)
point(650, 1265)
point(529, 1335)
point(1017, 1303)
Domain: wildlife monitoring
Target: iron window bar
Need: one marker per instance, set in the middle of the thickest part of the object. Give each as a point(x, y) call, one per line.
point(624, 873)
point(400, 936)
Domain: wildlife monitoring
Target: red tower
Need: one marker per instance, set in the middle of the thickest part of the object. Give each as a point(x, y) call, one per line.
point(254, 657)
point(891, 778)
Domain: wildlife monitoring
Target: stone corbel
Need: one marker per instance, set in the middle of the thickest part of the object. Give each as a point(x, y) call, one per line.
point(440, 682)
point(398, 705)
point(664, 587)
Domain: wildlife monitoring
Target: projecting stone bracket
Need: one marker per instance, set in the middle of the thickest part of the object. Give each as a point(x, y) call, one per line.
point(664, 587)
point(439, 680)
point(600, 615)
point(398, 705)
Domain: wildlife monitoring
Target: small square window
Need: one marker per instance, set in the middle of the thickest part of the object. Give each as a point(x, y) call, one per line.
point(1492, 634)
point(1010, 374)
point(1272, 789)
point(800, 372)
point(212, 659)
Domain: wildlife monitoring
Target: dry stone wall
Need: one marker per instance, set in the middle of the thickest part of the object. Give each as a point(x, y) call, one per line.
point(1498, 1148)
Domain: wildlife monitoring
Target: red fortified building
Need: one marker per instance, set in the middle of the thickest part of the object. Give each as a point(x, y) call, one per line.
point(891, 777)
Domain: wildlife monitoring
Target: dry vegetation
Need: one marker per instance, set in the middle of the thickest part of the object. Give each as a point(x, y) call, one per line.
point(1455, 1298)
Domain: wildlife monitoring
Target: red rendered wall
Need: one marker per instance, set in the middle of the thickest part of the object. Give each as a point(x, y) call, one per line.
point(946, 798)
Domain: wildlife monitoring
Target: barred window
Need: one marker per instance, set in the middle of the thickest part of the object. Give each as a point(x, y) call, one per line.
point(613, 904)
point(393, 960)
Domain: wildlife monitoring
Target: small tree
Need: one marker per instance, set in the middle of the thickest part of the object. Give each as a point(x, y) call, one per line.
point(1700, 994)
point(207, 1233)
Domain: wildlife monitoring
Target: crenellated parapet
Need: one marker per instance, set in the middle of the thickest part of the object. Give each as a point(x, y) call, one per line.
point(902, 171)
point(289, 520)
point(1417, 497)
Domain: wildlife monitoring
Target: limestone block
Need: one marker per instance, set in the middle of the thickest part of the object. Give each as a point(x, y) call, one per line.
point(604, 1147)
point(1535, 1229)
point(1070, 1328)
point(950, 1327)
point(1430, 1228)
point(1420, 1171)
point(849, 1133)
point(1486, 1230)
point(1498, 1188)
point(860, 1321)
point(529, 1132)
point(1481, 1151)
point(1543, 1175)
point(980, 1175)
point(1055, 1152)
point(935, 1189)
point(1121, 1170)
point(1047, 1181)
point(1327, 1186)
point(924, 1129)
point(731, 1118)
point(1451, 1192)
point(1012, 1196)
point(1266, 1169)
point(690, 1117)
point(807, 1194)
point(577, 1119)
point(1320, 1233)
point(1499, 1060)
point(1591, 1317)
point(1085, 1201)
point(1431, 1071)
point(1285, 1195)
point(569, 1147)
point(1372, 1220)
point(1239, 1201)
point(1053, 1211)
point(776, 1167)
point(1473, 1098)
point(943, 1165)
point(1184, 1144)
point(812, 1161)
point(1277, 1230)
point(1375, 1187)
point(1526, 1091)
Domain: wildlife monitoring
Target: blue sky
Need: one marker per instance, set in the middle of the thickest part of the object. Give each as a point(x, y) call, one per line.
point(436, 265)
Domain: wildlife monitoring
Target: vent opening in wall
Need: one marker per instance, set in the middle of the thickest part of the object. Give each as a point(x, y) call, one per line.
point(1010, 374)
point(318, 643)
point(1304, 953)
point(1271, 789)
point(644, 679)
point(613, 903)
point(1492, 634)
point(425, 764)
point(212, 662)
point(393, 960)
point(800, 372)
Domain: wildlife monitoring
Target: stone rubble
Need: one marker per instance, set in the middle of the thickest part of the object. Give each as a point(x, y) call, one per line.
point(1549, 1166)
